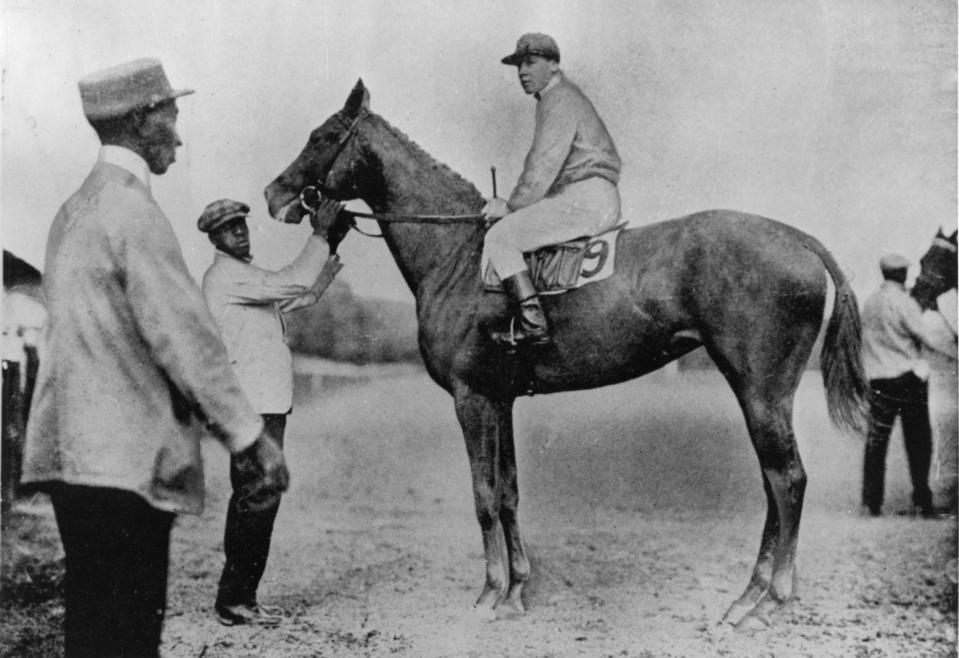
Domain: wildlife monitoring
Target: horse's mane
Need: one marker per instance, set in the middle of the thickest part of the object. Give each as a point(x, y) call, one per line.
point(459, 185)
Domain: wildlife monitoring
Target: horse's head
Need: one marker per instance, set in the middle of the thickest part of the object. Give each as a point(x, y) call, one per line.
point(937, 272)
point(326, 166)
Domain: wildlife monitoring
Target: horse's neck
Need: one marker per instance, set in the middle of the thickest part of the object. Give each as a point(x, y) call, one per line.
point(411, 182)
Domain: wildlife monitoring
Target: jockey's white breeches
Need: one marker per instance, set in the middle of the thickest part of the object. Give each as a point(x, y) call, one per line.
point(584, 208)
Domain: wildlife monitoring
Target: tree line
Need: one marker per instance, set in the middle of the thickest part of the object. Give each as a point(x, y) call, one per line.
point(344, 327)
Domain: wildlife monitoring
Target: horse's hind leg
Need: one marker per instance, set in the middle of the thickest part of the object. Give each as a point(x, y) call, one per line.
point(773, 581)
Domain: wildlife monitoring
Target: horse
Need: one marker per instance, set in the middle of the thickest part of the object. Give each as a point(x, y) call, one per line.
point(751, 290)
point(937, 271)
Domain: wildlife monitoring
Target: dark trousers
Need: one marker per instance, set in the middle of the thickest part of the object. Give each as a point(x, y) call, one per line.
point(907, 397)
point(117, 550)
point(246, 540)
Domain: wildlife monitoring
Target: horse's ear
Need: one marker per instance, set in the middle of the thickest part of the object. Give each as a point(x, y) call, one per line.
point(952, 238)
point(359, 99)
point(940, 234)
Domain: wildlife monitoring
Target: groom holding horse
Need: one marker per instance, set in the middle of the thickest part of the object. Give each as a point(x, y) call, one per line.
point(567, 189)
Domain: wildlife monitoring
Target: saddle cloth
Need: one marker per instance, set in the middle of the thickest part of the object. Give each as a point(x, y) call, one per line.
point(561, 267)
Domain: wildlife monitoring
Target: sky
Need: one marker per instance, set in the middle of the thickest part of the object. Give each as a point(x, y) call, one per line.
point(835, 116)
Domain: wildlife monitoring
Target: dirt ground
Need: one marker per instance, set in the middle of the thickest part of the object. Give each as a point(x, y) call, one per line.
point(642, 506)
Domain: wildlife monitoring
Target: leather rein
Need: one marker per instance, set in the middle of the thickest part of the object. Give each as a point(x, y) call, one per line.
point(316, 191)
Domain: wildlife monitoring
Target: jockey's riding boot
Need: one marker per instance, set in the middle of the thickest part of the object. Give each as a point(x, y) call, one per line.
point(528, 327)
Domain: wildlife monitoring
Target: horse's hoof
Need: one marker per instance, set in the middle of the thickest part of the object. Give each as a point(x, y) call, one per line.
point(509, 609)
point(483, 613)
point(489, 597)
point(736, 613)
point(753, 622)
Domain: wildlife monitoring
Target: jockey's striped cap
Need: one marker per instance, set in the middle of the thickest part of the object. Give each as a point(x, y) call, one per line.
point(219, 212)
point(118, 90)
point(533, 43)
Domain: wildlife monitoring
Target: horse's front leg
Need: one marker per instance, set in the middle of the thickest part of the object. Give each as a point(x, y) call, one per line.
point(519, 567)
point(486, 422)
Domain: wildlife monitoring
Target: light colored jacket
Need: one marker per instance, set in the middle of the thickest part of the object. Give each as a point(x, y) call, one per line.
point(892, 333)
point(246, 302)
point(133, 369)
point(570, 144)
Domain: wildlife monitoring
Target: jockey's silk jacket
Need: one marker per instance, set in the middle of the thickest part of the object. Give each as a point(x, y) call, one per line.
point(132, 370)
point(570, 144)
point(246, 302)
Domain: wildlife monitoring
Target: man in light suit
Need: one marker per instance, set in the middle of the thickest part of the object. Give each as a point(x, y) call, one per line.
point(133, 373)
point(247, 303)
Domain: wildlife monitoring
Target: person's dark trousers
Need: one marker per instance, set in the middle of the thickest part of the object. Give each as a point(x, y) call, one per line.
point(246, 540)
point(117, 550)
point(907, 397)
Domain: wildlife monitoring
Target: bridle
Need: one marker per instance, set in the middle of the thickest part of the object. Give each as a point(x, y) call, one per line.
point(936, 280)
point(317, 189)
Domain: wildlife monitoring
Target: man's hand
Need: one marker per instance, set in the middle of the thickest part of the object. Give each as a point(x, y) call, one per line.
point(263, 475)
point(338, 231)
point(323, 217)
point(495, 209)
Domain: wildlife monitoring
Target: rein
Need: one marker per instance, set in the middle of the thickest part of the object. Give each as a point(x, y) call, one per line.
point(315, 191)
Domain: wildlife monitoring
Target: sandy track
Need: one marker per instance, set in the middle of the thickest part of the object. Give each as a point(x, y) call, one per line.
point(642, 506)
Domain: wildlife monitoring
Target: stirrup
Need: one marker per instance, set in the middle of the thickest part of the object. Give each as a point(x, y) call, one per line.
point(511, 342)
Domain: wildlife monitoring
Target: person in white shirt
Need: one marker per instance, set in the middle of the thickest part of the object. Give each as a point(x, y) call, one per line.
point(247, 303)
point(893, 334)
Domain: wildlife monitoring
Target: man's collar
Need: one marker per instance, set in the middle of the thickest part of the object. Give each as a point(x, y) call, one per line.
point(222, 254)
point(126, 159)
point(555, 80)
point(889, 283)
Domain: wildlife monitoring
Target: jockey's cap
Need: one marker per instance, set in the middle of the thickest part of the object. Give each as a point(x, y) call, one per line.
point(533, 43)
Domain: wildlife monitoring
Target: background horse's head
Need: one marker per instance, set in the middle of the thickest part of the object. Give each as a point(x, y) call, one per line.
point(326, 166)
point(937, 272)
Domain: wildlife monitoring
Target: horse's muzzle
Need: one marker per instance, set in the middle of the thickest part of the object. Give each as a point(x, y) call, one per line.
point(291, 213)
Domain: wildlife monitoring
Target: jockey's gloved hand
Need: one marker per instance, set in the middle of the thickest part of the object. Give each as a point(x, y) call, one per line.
point(494, 209)
point(323, 217)
point(262, 472)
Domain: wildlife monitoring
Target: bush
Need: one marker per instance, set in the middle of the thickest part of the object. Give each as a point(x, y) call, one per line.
point(343, 327)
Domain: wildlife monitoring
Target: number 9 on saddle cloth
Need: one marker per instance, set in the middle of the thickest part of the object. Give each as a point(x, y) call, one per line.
point(561, 267)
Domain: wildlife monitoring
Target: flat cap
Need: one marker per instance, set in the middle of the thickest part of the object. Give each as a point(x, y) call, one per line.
point(115, 91)
point(893, 262)
point(220, 212)
point(533, 43)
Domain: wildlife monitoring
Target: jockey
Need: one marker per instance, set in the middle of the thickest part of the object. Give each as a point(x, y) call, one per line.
point(568, 188)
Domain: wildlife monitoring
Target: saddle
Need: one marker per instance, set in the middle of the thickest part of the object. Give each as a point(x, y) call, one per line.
point(557, 268)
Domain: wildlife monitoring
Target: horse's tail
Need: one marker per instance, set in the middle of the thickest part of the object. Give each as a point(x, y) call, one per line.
point(847, 389)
